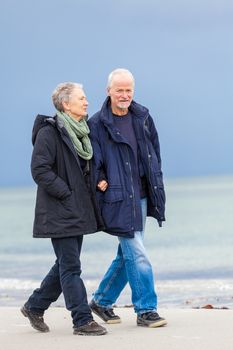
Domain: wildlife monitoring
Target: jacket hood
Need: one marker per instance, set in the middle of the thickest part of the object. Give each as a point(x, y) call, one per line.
point(137, 109)
point(40, 122)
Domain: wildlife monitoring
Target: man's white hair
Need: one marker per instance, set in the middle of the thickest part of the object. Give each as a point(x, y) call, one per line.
point(119, 71)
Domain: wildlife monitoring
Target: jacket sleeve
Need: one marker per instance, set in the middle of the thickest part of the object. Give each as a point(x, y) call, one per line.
point(154, 139)
point(160, 212)
point(43, 165)
point(97, 154)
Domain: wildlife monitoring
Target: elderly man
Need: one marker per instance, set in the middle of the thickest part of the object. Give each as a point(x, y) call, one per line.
point(129, 187)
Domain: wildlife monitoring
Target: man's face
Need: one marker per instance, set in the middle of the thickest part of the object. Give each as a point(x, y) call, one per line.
point(121, 92)
point(77, 105)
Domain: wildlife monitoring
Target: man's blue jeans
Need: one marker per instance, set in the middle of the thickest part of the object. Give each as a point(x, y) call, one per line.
point(130, 265)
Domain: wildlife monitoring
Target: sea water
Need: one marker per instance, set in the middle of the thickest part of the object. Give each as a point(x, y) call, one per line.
point(192, 254)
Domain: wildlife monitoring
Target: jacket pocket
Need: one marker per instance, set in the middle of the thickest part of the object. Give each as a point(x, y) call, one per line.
point(115, 213)
point(66, 207)
point(113, 194)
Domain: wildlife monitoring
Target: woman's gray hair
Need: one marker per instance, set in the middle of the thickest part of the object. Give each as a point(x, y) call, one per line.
point(119, 71)
point(62, 93)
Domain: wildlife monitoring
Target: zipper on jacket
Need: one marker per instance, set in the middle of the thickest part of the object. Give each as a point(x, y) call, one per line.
point(131, 177)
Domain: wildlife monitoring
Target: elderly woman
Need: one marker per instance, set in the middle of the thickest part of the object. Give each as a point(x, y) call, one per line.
point(64, 210)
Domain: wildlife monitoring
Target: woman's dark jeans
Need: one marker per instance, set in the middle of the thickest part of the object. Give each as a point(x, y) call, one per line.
point(64, 277)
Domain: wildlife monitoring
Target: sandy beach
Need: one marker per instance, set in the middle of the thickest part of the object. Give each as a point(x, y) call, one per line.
point(200, 329)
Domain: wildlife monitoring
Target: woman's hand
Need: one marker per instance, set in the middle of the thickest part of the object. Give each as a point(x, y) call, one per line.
point(102, 185)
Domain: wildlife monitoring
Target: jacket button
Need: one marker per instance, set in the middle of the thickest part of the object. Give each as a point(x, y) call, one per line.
point(149, 155)
point(155, 187)
point(127, 163)
point(130, 196)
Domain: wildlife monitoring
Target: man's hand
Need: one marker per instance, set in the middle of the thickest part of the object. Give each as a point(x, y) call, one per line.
point(102, 185)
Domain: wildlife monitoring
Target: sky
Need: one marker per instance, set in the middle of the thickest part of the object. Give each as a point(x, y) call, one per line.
point(180, 52)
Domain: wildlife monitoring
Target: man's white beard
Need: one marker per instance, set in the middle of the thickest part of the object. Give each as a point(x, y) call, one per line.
point(123, 105)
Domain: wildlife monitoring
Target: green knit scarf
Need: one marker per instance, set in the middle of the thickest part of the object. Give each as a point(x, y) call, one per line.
point(78, 132)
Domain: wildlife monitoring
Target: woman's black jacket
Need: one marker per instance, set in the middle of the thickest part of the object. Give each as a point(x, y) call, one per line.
point(64, 204)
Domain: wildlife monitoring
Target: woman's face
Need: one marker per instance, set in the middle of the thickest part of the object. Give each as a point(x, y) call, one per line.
point(77, 105)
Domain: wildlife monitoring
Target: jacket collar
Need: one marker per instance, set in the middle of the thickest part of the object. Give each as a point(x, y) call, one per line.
point(138, 111)
point(65, 136)
point(135, 108)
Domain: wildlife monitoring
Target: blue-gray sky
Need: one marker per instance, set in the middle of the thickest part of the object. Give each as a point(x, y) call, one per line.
point(180, 52)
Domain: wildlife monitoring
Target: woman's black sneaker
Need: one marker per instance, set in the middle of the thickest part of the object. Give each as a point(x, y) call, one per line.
point(107, 315)
point(151, 320)
point(36, 320)
point(90, 328)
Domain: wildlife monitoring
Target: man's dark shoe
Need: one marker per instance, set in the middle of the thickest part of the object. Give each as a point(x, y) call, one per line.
point(107, 315)
point(90, 328)
point(37, 321)
point(151, 320)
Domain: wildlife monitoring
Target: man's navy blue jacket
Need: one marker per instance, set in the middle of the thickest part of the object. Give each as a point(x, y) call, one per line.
point(113, 161)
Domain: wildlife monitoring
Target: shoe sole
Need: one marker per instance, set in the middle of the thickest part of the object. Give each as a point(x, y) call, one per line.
point(91, 334)
point(153, 325)
point(113, 321)
point(106, 321)
point(24, 312)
